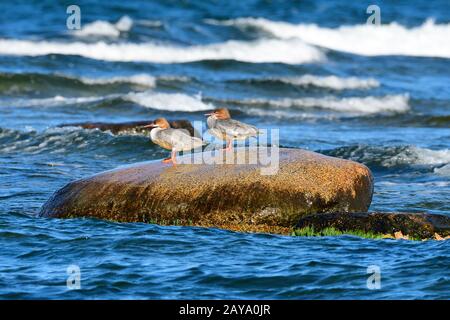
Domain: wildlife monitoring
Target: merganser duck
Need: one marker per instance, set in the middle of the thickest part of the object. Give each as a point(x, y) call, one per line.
point(172, 139)
point(223, 127)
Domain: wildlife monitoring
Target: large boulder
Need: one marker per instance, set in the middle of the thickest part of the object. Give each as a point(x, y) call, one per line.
point(232, 196)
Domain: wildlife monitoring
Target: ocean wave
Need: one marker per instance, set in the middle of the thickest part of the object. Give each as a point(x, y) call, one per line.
point(427, 40)
point(15, 83)
point(169, 101)
point(102, 28)
point(260, 51)
point(421, 156)
point(55, 101)
point(286, 114)
point(443, 171)
point(358, 105)
point(148, 99)
point(139, 79)
point(329, 82)
point(61, 140)
point(393, 156)
point(53, 140)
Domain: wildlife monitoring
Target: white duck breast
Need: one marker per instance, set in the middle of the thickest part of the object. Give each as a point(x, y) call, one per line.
point(175, 139)
point(231, 129)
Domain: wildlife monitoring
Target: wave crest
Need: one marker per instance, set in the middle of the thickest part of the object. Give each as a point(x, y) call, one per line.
point(427, 40)
point(102, 28)
point(361, 105)
point(259, 51)
point(392, 156)
point(329, 82)
point(169, 102)
point(148, 99)
point(139, 79)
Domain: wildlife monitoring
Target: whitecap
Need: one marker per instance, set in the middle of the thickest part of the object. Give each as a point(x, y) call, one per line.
point(260, 51)
point(148, 99)
point(169, 101)
point(102, 28)
point(331, 82)
point(361, 105)
point(443, 171)
point(420, 156)
point(427, 40)
point(140, 79)
point(54, 101)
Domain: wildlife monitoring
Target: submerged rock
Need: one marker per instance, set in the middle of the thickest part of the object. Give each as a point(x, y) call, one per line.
point(133, 126)
point(222, 194)
point(397, 225)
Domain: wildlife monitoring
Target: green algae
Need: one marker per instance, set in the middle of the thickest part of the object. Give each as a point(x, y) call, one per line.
point(332, 232)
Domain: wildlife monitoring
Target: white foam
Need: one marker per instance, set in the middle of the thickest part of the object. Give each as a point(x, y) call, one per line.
point(420, 156)
point(140, 79)
point(432, 157)
point(174, 78)
point(124, 24)
point(52, 140)
point(169, 102)
point(427, 40)
point(105, 29)
point(443, 171)
point(332, 82)
point(264, 50)
point(55, 101)
point(148, 99)
point(285, 114)
point(362, 105)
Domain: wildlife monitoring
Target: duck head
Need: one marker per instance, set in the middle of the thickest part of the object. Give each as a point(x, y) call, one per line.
point(159, 123)
point(220, 114)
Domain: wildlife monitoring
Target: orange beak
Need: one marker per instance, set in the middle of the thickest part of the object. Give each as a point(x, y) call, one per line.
point(151, 125)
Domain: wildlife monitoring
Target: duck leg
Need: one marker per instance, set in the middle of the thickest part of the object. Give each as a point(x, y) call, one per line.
point(172, 159)
point(229, 145)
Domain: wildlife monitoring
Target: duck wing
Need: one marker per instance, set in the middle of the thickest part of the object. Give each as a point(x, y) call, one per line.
point(182, 140)
point(235, 128)
point(162, 138)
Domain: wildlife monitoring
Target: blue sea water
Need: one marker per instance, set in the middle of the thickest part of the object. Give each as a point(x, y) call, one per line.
point(314, 69)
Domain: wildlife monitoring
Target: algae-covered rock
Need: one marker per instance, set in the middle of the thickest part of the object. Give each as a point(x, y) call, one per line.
point(231, 196)
point(132, 126)
point(397, 225)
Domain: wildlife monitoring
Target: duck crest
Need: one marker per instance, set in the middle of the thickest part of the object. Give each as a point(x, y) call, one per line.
point(222, 114)
point(162, 123)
